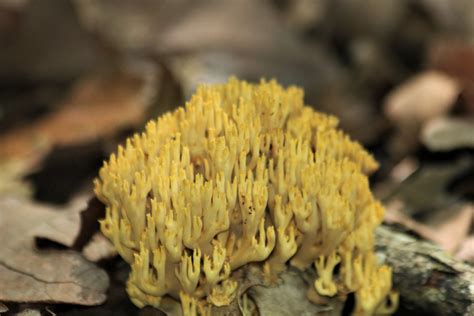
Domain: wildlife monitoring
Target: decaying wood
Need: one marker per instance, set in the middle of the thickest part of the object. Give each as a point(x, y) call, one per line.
point(427, 278)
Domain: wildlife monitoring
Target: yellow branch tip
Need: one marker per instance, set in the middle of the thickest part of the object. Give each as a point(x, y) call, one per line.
point(243, 173)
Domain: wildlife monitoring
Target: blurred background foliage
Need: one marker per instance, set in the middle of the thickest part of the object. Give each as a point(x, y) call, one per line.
point(78, 76)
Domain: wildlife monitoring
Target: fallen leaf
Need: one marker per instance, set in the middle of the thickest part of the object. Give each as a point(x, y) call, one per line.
point(11, 182)
point(422, 97)
point(60, 225)
point(427, 189)
point(451, 232)
point(395, 215)
point(404, 169)
point(456, 58)
point(31, 275)
point(117, 303)
point(448, 133)
point(426, 96)
point(96, 107)
point(384, 189)
point(466, 250)
point(99, 248)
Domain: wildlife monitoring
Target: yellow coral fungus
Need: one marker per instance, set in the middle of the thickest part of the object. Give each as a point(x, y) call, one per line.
point(243, 173)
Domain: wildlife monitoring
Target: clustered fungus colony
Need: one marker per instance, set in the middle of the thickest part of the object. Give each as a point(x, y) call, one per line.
point(243, 173)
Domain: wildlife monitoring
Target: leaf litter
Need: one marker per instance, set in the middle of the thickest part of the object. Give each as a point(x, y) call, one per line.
point(28, 274)
point(382, 67)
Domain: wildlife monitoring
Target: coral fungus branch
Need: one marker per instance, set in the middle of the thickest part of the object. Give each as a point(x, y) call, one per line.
point(242, 173)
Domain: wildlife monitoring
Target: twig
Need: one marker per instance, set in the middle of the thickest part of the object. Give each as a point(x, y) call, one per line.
point(428, 279)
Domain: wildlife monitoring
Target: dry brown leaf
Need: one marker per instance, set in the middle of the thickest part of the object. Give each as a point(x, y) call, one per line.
point(31, 275)
point(11, 183)
point(404, 169)
point(466, 250)
point(399, 173)
point(61, 225)
point(448, 133)
point(448, 234)
point(96, 107)
point(395, 215)
point(427, 189)
point(453, 230)
point(421, 98)
point(456, 58)
point(98, 248)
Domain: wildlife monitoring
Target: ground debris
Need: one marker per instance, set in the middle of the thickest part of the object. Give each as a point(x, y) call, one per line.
point(28, 274)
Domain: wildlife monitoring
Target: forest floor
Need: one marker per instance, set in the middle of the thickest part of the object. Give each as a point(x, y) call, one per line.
point(78, 77)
